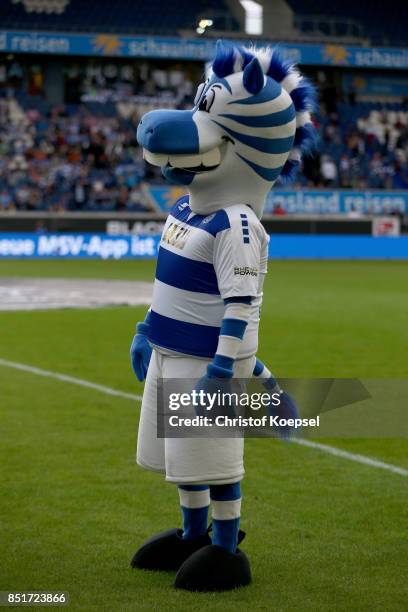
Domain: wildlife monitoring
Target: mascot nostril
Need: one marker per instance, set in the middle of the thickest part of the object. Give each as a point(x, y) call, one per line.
point(250, 124)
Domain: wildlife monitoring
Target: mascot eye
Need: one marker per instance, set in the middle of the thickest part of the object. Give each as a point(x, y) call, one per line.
point(207, 102)
point(200, 90)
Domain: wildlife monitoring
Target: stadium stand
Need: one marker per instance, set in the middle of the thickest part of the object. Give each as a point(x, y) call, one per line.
point(379, 25)
point(364, 145)
point(126, 17)
point(312, 18)
point(68, 159)
point(85, 157)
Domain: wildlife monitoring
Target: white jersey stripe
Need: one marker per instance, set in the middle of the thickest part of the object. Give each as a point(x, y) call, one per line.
point(188, 306)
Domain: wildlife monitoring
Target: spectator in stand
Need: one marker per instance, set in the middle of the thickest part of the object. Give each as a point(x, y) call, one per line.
point(6, 202)
point(278, 209)
point(345, 172)
point(328, 171)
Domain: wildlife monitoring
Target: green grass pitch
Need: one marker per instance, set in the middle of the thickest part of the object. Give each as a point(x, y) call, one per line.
point(323, 533)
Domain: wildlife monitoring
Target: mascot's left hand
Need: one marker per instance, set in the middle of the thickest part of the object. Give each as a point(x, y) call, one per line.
point(140, 352)
point(286, 409)
point(281, 404)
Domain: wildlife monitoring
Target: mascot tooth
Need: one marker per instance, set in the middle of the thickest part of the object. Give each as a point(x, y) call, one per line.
point(249, 125)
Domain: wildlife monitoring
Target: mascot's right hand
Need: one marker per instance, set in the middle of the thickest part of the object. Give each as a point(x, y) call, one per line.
point(140, 352)
point(215, 383)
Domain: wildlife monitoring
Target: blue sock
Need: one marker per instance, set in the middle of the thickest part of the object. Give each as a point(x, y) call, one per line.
point(194, 502)
point(226, 510)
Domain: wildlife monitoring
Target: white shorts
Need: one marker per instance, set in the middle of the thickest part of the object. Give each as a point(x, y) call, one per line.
point(187, 460)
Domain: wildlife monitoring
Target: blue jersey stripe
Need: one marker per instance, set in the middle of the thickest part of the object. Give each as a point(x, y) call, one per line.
point(184, 273)
point(182, 337)
point(213, 223)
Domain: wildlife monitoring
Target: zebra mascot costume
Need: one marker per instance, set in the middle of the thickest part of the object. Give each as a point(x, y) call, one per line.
point(249, 125)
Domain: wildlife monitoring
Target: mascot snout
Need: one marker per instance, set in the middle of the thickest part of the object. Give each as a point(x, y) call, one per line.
point(168, 131)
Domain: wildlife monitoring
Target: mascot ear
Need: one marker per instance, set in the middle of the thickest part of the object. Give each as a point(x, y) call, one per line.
point(253, 76)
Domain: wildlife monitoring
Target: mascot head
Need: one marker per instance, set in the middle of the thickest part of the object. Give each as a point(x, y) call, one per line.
point(250, 124)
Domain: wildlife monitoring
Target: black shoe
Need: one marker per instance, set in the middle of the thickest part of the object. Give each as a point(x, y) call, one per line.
point(167, 551)
point(214, 568)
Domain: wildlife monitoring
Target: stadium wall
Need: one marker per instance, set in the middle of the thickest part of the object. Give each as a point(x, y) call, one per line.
point(305, 201)
point(104, 246)
point(306, 225)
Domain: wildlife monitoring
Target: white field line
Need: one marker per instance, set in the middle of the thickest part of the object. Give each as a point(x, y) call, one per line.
point(331, 450)
point(338, 452)
point(69, 379)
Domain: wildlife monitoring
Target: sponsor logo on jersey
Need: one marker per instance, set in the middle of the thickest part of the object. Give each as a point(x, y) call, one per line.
point(176, 235)
point(245, 271)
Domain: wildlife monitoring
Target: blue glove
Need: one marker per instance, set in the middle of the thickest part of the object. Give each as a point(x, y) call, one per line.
point(140, 351)
point(286, 409)
point(217, 379)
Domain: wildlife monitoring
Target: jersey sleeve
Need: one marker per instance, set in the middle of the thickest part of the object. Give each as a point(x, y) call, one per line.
point(237, 256)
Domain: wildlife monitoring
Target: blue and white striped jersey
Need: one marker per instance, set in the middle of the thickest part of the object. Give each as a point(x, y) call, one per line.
point(203, 260)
